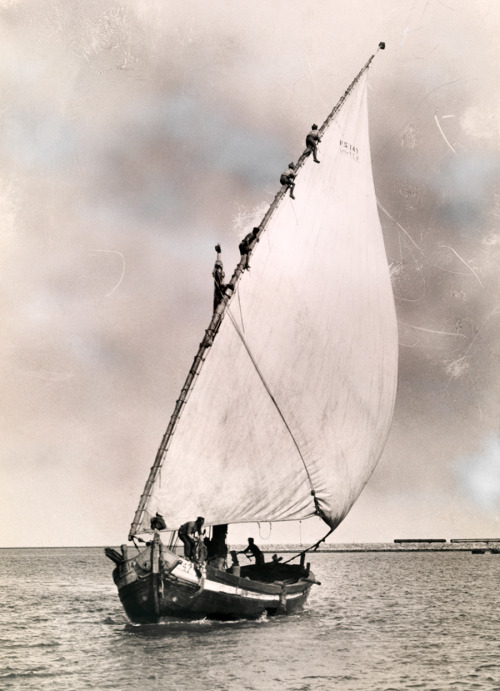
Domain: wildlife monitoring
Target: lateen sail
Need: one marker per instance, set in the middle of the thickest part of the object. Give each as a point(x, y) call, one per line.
point(297, 391)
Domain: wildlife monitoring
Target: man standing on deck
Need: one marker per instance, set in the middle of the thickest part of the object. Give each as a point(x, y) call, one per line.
point(255, 551)
point(312, 141)
point(287, 178)
point(187, 534)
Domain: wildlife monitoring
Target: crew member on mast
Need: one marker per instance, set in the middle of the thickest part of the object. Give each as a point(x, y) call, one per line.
point(312, 141)
point(218, 274)
point(255, 552)
point(288, 177)
point(246, 245)
point(189, 534)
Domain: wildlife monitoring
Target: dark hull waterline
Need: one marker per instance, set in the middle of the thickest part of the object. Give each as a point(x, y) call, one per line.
point(175, 587)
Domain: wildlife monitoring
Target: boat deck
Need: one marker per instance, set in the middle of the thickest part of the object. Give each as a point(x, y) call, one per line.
point(273, 573)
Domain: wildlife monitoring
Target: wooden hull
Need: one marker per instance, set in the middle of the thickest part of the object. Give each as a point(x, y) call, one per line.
point(178, 588)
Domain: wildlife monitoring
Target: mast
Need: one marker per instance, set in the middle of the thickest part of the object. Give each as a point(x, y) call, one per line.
point(215, 323)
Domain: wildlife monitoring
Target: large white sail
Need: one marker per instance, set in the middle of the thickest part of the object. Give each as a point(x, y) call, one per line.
point(297, 391)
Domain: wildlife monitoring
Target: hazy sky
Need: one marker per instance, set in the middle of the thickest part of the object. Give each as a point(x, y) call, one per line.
point(136, 135)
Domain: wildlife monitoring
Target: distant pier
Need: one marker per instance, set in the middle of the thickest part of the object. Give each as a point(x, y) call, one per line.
point(478, 539)
point(400, 540)
point(474, 545)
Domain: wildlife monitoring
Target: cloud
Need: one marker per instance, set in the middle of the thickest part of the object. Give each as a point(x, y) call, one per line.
point(134, 136)
point(479, 475)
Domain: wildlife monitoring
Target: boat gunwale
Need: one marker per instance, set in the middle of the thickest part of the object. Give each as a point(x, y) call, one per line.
point(121, 576)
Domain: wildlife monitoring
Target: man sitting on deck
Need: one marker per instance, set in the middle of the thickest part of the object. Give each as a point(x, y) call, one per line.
point(255, 551)
point(187, 534)
point(158, 522)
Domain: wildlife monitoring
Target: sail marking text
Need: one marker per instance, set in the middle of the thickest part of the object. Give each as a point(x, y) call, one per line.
point(349, 149)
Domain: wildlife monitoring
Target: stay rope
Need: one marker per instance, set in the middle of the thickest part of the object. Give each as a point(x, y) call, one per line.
point(275, 403)
point(312, 547)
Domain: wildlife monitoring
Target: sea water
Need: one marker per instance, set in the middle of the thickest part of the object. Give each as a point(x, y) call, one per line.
point(379, 621)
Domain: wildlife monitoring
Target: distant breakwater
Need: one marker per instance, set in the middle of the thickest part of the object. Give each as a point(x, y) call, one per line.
point(458, 545)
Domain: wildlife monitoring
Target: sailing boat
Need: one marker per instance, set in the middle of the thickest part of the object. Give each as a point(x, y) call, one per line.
point(289, 400)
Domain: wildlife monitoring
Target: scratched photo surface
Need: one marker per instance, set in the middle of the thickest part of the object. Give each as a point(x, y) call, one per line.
point(134, 137)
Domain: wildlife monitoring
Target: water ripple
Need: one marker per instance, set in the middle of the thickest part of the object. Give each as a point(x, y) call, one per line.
point(379, 622)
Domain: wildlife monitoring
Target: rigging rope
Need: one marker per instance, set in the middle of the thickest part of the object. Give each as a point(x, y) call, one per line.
point(312, 547)
point(260, 530)
point(266, 386)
